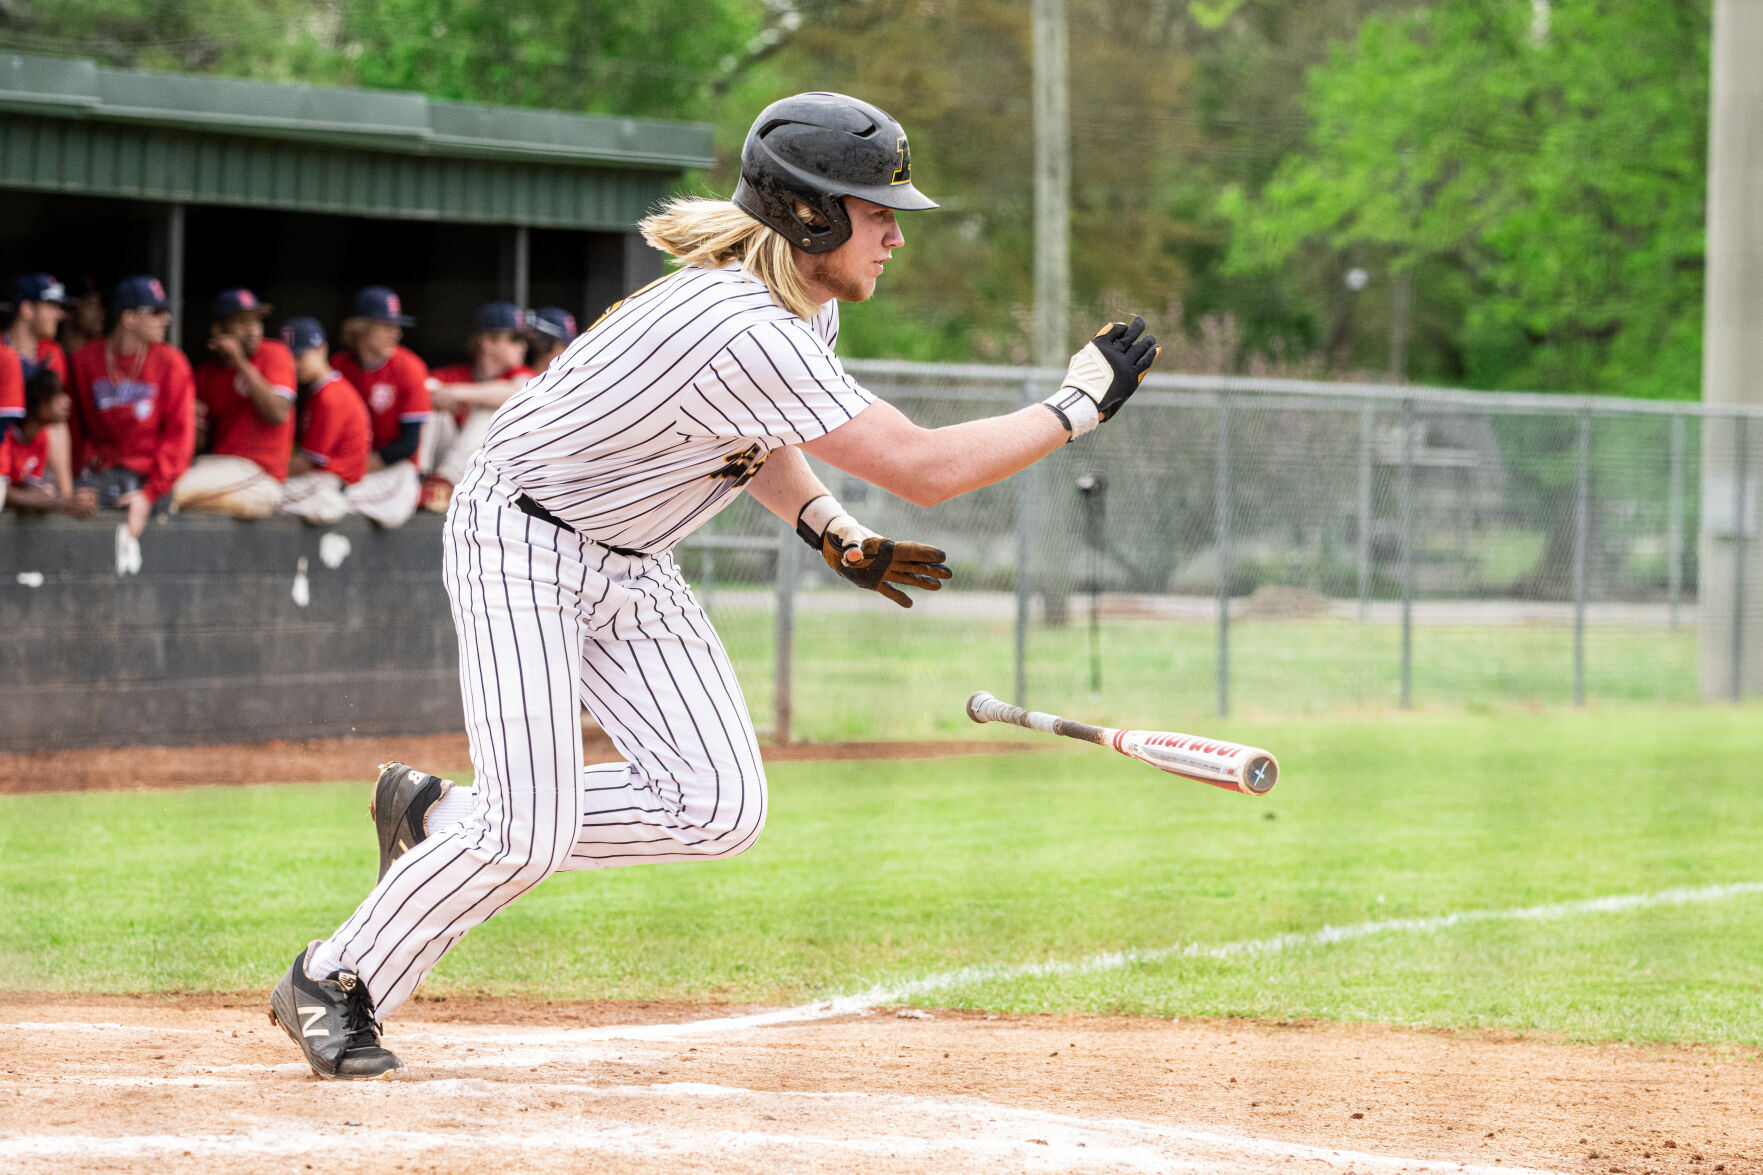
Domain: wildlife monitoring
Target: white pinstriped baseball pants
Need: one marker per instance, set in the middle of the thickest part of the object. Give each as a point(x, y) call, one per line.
point(545, 620)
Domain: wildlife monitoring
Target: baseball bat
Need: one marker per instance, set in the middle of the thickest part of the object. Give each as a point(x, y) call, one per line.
point(1231, 766)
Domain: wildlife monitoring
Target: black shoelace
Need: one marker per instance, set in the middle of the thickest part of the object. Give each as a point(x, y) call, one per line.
point(358, 1017)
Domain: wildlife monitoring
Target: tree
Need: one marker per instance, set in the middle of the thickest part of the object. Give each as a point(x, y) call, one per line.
point(1544, 177)
point(1171, 99)
point(663, 58)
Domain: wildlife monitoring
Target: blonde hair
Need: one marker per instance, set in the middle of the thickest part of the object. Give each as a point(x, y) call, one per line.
point(714, 233)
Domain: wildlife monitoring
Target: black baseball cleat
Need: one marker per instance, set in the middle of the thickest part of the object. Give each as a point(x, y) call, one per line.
point(332, 1021)
point(400, 805)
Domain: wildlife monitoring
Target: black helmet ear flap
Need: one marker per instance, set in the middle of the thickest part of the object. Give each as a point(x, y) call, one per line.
point(778, 211)
point(817, 149)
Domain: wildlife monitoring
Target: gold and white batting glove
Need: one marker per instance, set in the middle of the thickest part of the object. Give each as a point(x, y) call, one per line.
point(867, 559)
point(1104, 375)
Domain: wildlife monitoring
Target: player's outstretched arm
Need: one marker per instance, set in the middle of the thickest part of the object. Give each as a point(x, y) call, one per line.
point(927, 466)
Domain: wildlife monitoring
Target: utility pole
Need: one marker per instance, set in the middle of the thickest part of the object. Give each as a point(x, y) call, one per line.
point(1052, 185)
point(1732, 354)
point(1052, 132)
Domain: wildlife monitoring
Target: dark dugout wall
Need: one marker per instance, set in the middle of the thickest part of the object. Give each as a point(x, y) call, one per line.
point(228, 631)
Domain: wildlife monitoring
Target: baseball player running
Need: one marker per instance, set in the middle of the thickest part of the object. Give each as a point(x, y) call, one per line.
point(714, 379)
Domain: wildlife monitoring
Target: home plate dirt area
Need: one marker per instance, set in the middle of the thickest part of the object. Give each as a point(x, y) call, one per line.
point(91, 1083)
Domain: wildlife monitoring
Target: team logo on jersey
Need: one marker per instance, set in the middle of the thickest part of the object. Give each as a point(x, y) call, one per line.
point(903, 173)
point(382, 397)
point(122, 393)
point(742, 465)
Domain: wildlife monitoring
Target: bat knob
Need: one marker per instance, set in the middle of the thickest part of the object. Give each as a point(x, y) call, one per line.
point(1260, 775)
point(979, 698)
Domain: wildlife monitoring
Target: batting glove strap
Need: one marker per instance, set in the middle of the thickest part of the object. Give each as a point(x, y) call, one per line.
point(1075, 410)
point(815, 516)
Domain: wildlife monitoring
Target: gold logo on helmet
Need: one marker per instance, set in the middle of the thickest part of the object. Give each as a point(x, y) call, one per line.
point(903, 173)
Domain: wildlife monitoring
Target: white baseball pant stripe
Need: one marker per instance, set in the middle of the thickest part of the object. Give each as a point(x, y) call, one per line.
point(547, 622)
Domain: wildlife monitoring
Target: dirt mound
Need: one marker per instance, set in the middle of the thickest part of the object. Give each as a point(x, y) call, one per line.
point(1274, 602)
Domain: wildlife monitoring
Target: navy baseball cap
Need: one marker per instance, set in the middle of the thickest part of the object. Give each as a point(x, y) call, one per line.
point(236, 301)
point(497, 316)
point(139, 293)
point(381, 304)
point(552, 322)
point(38, 287)
point(302, 334)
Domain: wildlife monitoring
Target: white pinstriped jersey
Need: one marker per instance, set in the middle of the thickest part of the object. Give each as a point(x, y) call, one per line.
point(652, 421)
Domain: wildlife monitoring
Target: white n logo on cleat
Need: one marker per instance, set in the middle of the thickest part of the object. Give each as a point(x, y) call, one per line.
point(312, 1015)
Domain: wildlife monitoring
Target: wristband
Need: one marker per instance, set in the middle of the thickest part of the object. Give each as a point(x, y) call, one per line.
point(815, 516)
point(1075, 409)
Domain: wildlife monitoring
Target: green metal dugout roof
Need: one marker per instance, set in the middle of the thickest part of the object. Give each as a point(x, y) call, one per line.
point(69, 125)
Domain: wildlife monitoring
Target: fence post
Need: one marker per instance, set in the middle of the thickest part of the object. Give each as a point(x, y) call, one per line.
point(1025, 492)
point(1367, 423)
point(1740, 459)
point(1221, 516)
point(1582, 516)
point(783, 673)
point(1405, 513)
point(1674, 522)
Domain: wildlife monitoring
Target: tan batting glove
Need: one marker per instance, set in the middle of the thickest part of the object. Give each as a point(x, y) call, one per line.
point(1104, 375)
point(867, 559)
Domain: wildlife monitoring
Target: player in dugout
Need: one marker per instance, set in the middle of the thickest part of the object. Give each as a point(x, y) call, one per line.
point(85, 316)
point(11, 389)
point(550, 330)
point(39, 304)
point(335, 435)
point(245, 405)
point(34, 461)
point(465, 395)
point(134, 406)
point(393, 383)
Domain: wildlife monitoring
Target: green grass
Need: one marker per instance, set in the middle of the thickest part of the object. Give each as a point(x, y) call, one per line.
point(876, 674)
point(886, 871)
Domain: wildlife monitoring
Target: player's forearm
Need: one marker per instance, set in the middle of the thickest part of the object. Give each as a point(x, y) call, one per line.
point(61, 458)
point(927, 466)
point(271, 405)
point(491, 393)
point(961, 457)
point(785, 483)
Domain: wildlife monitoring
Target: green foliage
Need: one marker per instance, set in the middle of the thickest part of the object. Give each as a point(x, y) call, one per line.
point(603, 56)
point(1542, 186)
point(880, 872)
point(1556, 168)
point(663, 58)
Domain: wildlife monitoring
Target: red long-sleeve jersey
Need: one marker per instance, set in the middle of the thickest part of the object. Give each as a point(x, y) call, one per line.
point(134, 411)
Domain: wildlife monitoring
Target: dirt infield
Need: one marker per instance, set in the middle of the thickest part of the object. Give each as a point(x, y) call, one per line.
point(129, 1084)
point(315, 760)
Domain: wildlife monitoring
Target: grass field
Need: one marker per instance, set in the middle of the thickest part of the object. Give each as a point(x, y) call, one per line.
point(915, 670)
point(886, 871)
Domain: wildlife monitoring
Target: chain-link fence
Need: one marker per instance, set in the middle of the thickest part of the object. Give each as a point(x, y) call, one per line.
point(1272, 547)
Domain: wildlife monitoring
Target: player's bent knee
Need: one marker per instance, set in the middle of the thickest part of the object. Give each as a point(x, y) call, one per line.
point(732, 824)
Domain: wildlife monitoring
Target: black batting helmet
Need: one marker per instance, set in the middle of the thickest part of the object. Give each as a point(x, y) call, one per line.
point(819, 148)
